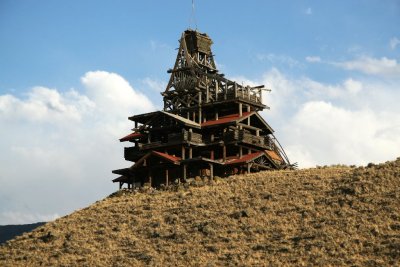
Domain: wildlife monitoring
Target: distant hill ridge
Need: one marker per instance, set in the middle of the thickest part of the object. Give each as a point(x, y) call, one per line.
point(8, 232)
point(334, 216)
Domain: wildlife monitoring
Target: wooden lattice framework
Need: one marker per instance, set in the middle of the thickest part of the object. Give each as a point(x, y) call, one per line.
point(209, 126)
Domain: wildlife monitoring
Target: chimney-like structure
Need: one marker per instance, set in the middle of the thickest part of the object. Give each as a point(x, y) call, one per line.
point(209, 126)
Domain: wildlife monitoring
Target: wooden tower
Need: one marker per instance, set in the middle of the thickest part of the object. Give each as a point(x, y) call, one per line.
point(209, 126)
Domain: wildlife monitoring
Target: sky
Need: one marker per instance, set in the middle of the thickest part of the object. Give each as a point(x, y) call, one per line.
point(71, 72)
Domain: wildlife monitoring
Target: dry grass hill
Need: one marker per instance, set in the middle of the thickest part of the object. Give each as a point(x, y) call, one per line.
point(328, 216)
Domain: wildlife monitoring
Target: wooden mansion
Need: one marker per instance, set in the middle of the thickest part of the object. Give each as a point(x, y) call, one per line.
point(209, 126)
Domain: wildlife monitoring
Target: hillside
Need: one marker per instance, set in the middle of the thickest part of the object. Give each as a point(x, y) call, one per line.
point(323, 216)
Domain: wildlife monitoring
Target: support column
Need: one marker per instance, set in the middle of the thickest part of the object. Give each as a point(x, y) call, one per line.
point(200, 116)
point(240, 152)
point(150, 177)
point(184, 172)
point(190, 152)
point(166, 177)
point(120, 185)
point(248, 167)
point(183, 152)
point(211, 171)
point(224, 153)
point(240, 110)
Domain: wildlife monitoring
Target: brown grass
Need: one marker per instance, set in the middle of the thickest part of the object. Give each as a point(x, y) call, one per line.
point(327, 216)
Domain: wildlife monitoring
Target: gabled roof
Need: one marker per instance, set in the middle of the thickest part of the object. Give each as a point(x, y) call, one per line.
point(120, 179)
point(170, 158)
point(245, 158)
point(226, 119)
point(181, 119)
point(273, 155)
point(131, 136)
point(147, 118)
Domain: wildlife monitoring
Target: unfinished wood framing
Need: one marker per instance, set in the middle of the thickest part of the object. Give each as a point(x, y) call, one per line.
point(209, 126)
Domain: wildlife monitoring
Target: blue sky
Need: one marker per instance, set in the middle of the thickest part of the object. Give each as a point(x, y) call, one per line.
point(71, 72)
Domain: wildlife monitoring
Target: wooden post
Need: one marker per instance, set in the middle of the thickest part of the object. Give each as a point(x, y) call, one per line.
point(150, 177)
point(224, 153)
point(120, 185)
point(216, 115)
point(236, 88)
point(184, 172)
point(240, 152)
point(226, 91)
point(200, 115)
point(183, 152)
point(190, 152)
point(240, 110)
point(212, 154)
point(211, 171)
point(248, 167)
point(166, 177)
point(248, 108)
point(216, 90)
point(257, 132)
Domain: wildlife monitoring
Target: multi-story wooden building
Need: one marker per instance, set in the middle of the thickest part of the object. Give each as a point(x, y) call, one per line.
point(209, 126)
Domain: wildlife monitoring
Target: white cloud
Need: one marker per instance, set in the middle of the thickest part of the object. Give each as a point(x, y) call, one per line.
point(352, 122)
point(24, 218)
point(394, 42)
point(332, 134)
point(154, 84)
point(279, 59)
point(56, 145)
point(313, 59)
point(44, 104)
point(308, 11)
point(368, 65)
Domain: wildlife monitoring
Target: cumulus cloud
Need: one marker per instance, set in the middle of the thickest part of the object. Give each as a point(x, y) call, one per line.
point(279, 59)
point(394, 42)
point(377, 66)
point(313, 59)
point(154, 84)
point(56, 145)
point(352, 122)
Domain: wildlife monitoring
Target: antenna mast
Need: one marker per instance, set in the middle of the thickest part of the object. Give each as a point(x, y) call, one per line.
point(193, 17)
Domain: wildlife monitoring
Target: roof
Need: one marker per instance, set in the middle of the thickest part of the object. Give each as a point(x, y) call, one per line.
point(226, 119)
point(245, 158)
point(120, 179)
point(144, 117)
point(166, 156)
point(273, 155)
point(130, 137)
point(182, 119)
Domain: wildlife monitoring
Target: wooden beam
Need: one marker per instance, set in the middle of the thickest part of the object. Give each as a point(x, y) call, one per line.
point(249, 127)
point(184, 172)
point(211, 171)
point(150, 177)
